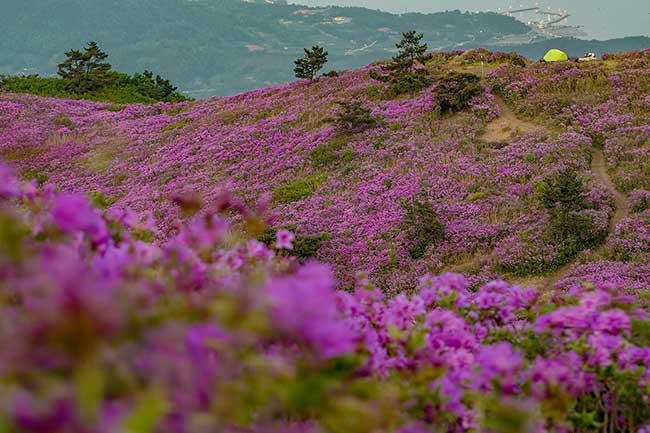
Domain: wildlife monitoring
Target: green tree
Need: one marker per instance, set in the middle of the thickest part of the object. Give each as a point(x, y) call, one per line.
point(354, 117)
point(86, 71)
point(156, 88)
point(406, 71)
point(455, 90)
point(411, 50)
point(308, 66)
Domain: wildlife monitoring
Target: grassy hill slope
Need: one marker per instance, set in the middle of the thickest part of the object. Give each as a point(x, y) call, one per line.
point(375, 198)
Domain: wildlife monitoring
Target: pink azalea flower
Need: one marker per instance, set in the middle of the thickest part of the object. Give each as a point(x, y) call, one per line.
point(284, 240)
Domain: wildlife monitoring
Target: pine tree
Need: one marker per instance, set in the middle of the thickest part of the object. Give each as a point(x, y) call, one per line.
point(86, 71)
point(411, 50)
point(313, 61)
point(403, 72)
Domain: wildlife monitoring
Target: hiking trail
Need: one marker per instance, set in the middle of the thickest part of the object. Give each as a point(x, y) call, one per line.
point(508, 126)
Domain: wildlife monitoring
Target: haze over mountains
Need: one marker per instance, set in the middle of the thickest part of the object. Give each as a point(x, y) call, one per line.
point(602, 19)
point(219, 47)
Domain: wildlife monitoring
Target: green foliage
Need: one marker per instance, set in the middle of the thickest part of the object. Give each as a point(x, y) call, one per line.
point(476, 196)
point(12, 233)
point(640, 333)
point(455, 90)
point(85, 75)
point(421, 226)
point(411, 50)
point(373, 91)
point(157, 88)
point(564, 189)
point(63, 121)
point(313, 61)
point(505, 417)
point(408, 83)
point(562, 194)
point(33, 174)
point(53, 87)
point(100, 201)
point(298, 189)
point(86, 71)
point(354, 117)
point(304, 247)
point(327, 153)
point(177, 125)
point(116, 108)
point(395, 126)
point(406, 72)
point(331, 74)
point(147, 414)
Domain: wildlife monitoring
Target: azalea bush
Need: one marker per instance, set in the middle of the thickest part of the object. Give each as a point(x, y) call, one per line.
point(211, 330)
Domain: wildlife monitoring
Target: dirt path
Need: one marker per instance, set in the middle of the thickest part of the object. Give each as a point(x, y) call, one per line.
point(507, 126)
point(599, 168)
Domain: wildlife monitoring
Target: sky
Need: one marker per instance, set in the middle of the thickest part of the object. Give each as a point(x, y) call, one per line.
point(602, 19)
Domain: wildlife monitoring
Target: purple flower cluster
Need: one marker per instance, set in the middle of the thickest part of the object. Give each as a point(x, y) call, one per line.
point(103, 333)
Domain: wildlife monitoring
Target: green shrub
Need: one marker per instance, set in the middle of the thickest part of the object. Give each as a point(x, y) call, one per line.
point(347, 156)
point(32, 174)
point(455, 90)
point(421, 226)
point(395, 126)
point(121, 89)
point(562, 194)
point(322, 156)
point(379, 143)
point(373, 92)
point(48, 87)
point(408, 83)
point(354, 117)
point(298, 189)
point(304, 247)
point(564, 188)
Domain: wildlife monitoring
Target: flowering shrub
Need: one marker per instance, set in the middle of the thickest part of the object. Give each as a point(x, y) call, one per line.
point(105, 331)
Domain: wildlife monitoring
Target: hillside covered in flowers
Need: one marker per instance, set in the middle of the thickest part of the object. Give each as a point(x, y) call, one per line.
point(269, 262)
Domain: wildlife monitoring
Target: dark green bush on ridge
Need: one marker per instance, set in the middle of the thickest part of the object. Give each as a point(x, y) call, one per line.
point(455, 90)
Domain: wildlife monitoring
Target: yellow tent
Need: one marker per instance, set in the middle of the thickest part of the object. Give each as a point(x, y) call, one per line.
point(556, 56)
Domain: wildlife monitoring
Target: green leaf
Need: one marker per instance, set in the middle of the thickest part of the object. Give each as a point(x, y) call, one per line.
point(89, 389)
point(147, 414)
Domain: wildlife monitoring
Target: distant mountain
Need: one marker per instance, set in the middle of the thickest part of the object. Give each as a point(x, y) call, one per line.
point(217, 47)
point(221, 46)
